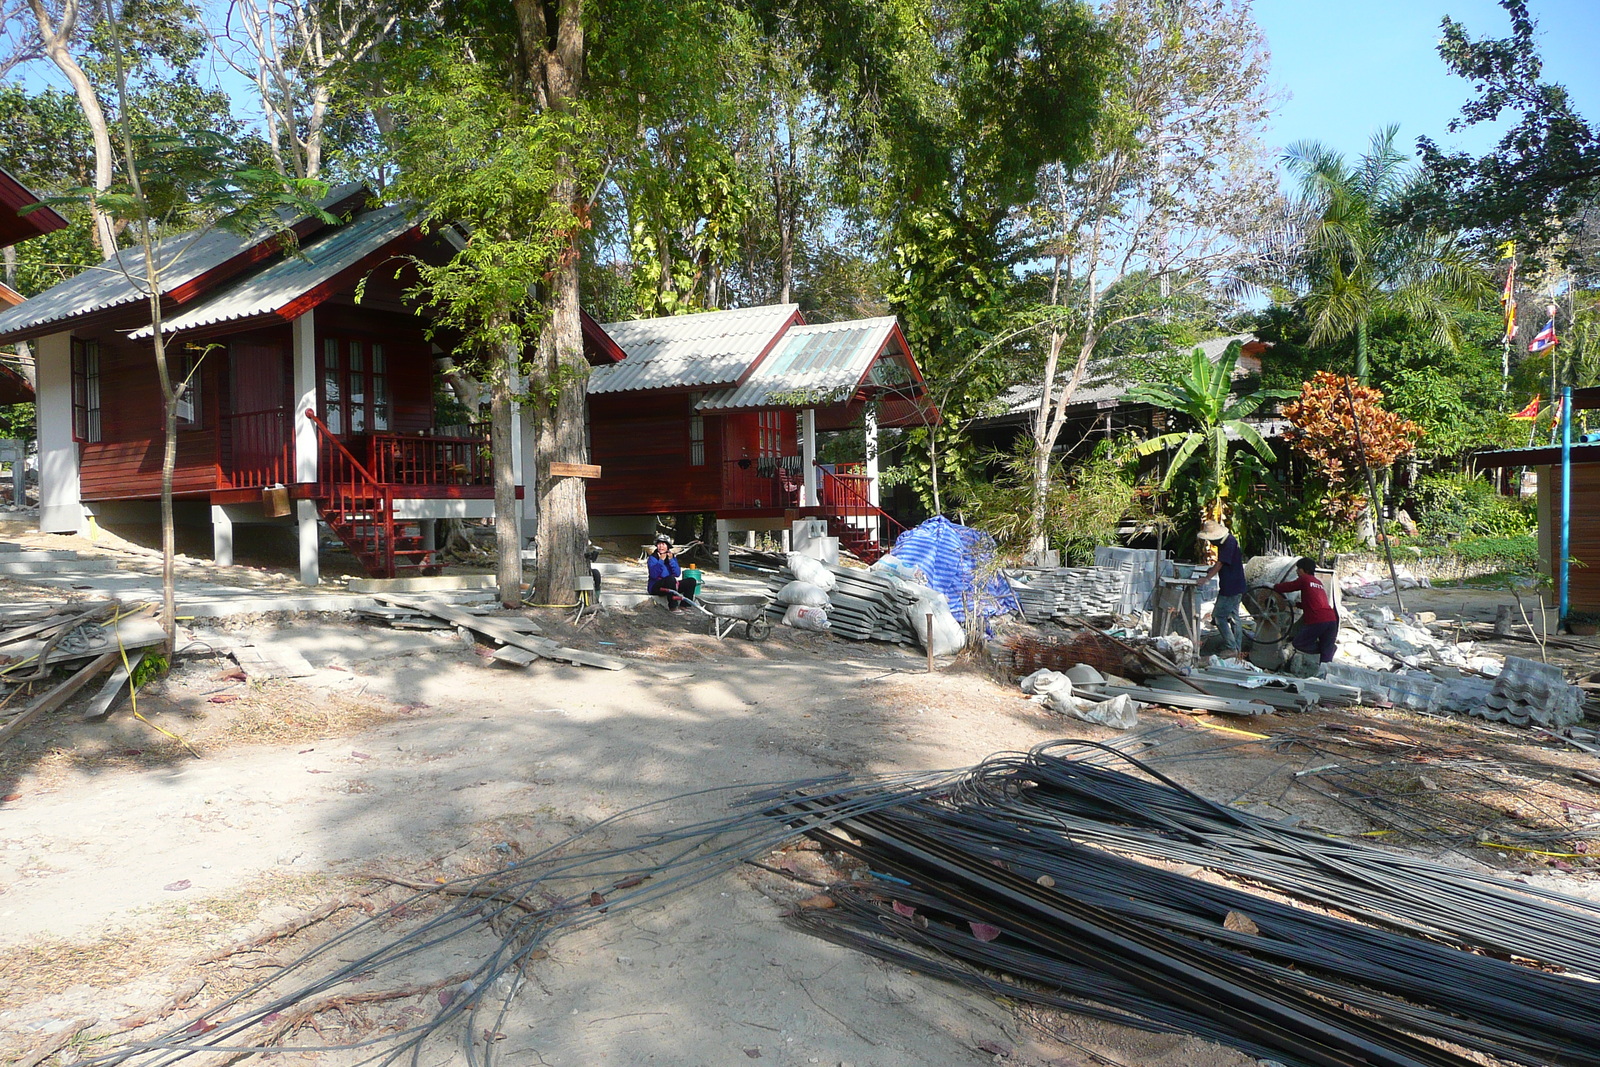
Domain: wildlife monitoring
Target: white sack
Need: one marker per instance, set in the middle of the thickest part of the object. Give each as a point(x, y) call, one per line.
point(1120, 712)
point(803, 593)
point(810, 571)
point(948, 636)
point(802, 617)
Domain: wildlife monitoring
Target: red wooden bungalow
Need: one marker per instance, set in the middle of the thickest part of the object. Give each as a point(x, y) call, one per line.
point(296, 383)
point(719, 412)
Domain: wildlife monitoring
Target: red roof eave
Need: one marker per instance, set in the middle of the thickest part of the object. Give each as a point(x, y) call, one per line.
point(15, 226)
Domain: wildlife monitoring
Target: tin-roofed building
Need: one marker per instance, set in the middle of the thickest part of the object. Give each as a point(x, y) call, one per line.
point(298, 386)
point(312, 378)
point(720, 413)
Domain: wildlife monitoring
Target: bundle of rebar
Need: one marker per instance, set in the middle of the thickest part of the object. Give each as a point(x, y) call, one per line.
point(1038, 877)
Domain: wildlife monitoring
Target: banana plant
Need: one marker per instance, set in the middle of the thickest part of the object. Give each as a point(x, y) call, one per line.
point(1204, 395)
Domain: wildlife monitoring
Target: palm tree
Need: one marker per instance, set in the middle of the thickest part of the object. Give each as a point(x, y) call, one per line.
point(1358, 262)
point(1204, 394)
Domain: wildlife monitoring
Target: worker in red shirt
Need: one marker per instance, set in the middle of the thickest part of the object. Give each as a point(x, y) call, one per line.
point(1319, 623)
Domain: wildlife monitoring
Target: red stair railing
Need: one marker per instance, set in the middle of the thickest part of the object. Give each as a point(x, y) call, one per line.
point(846, 498)
point(345, 489)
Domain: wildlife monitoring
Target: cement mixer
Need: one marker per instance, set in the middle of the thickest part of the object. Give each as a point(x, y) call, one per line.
point(1275, 615)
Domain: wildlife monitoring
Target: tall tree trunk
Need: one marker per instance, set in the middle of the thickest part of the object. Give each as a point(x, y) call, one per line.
point(55, 38)
point(1361, 351)
point(25, 365)
point(508, 567)
point(553, 48)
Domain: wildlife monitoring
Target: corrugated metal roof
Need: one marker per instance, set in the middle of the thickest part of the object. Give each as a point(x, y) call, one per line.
point(290, 277)
point(683, 351)
point(1110, 380)
point(822, 363)
point(180, 259)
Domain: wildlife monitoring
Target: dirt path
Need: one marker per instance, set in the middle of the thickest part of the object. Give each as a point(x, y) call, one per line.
point(125, 859)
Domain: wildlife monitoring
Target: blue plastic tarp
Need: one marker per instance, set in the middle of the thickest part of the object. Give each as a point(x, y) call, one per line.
point(952, 556)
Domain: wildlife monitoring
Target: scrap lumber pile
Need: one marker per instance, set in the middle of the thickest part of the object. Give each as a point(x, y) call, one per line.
point(1060, 592)
point(861, 605)
point(86, 639)
point(1050, 879)
point(519, 646)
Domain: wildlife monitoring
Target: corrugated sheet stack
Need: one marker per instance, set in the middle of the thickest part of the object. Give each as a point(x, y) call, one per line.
point(861, 605)
point(1062, 591)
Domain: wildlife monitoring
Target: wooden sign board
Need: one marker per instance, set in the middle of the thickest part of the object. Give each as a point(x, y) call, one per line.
point(574, 470)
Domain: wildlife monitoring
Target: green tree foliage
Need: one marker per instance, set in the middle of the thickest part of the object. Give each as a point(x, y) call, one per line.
point(1455, 395)
point(1355, 266)
point(1542, 179)
point(1452, 505)
point(1203, 396)
point(1084, 507)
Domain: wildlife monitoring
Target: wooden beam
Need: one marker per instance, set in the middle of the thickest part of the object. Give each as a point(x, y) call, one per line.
point(59, 695)
point(574, 470)
point(497, 630)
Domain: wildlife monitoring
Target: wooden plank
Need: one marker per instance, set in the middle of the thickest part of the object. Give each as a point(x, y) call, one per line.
point(574, 470)
point(100, 707)
point(271, 661)
point(59, 695)
point(128, 633)
point(518, 657)
point(494, 628)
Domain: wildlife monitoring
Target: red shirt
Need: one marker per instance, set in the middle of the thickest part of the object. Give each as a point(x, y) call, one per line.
point(1314, 606)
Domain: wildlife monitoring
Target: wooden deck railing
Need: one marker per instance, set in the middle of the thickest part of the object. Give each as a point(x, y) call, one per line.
point(258, 451)
point(410, 459)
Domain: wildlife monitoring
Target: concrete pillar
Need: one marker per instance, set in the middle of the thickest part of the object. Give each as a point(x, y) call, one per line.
point(524, 458)
point(870, 433)
point(808, 457)
point(221, 536)
point(303, 334)
point(306, 522)
point(60, 506)
point(429, 528)
point(722, 547)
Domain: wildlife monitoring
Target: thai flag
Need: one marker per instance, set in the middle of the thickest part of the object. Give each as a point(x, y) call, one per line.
point(1546, 338)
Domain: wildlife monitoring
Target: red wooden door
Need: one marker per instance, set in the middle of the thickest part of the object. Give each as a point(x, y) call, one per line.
point(256, 443)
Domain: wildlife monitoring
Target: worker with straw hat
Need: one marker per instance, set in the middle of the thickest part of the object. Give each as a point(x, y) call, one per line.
point(1229, 572)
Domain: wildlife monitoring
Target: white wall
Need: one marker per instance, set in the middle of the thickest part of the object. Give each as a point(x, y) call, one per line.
point(60, 510)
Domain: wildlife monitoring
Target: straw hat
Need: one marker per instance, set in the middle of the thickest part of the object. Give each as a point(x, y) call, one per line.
point(1212, 530)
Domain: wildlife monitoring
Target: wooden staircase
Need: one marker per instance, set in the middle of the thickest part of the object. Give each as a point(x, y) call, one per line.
point(360, 510)
point(846, 501)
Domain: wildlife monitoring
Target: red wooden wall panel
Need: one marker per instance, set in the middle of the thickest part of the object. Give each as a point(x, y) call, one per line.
point(641, 443)
point(126, 462)
point(131, 470)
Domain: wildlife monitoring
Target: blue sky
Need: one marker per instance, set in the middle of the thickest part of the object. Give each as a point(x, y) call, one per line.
point(1352, 66)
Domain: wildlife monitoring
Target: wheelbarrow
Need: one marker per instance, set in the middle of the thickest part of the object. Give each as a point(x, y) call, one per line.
point(728, 610)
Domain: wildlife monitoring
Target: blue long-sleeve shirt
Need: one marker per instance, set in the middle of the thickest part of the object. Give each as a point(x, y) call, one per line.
point(663, 568)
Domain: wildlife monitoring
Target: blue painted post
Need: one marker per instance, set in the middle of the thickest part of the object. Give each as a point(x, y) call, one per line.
point(1566, 500)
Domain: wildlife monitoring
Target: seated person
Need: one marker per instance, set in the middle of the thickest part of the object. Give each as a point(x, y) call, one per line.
point(666, 575)
point(1319, 623)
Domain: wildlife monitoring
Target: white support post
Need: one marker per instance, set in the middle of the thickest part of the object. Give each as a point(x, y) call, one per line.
point(303, 341)
point(722, 547)
point(303, 334)
point(870, 433)
point(310, 566)
point(221, 536)
point(60, 505)
point(524, 456)
point(808, 457)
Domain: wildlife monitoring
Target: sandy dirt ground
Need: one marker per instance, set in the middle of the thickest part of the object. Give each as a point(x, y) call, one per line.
point(136, 852)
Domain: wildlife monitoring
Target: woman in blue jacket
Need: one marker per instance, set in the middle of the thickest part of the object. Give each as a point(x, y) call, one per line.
point(665, 574)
